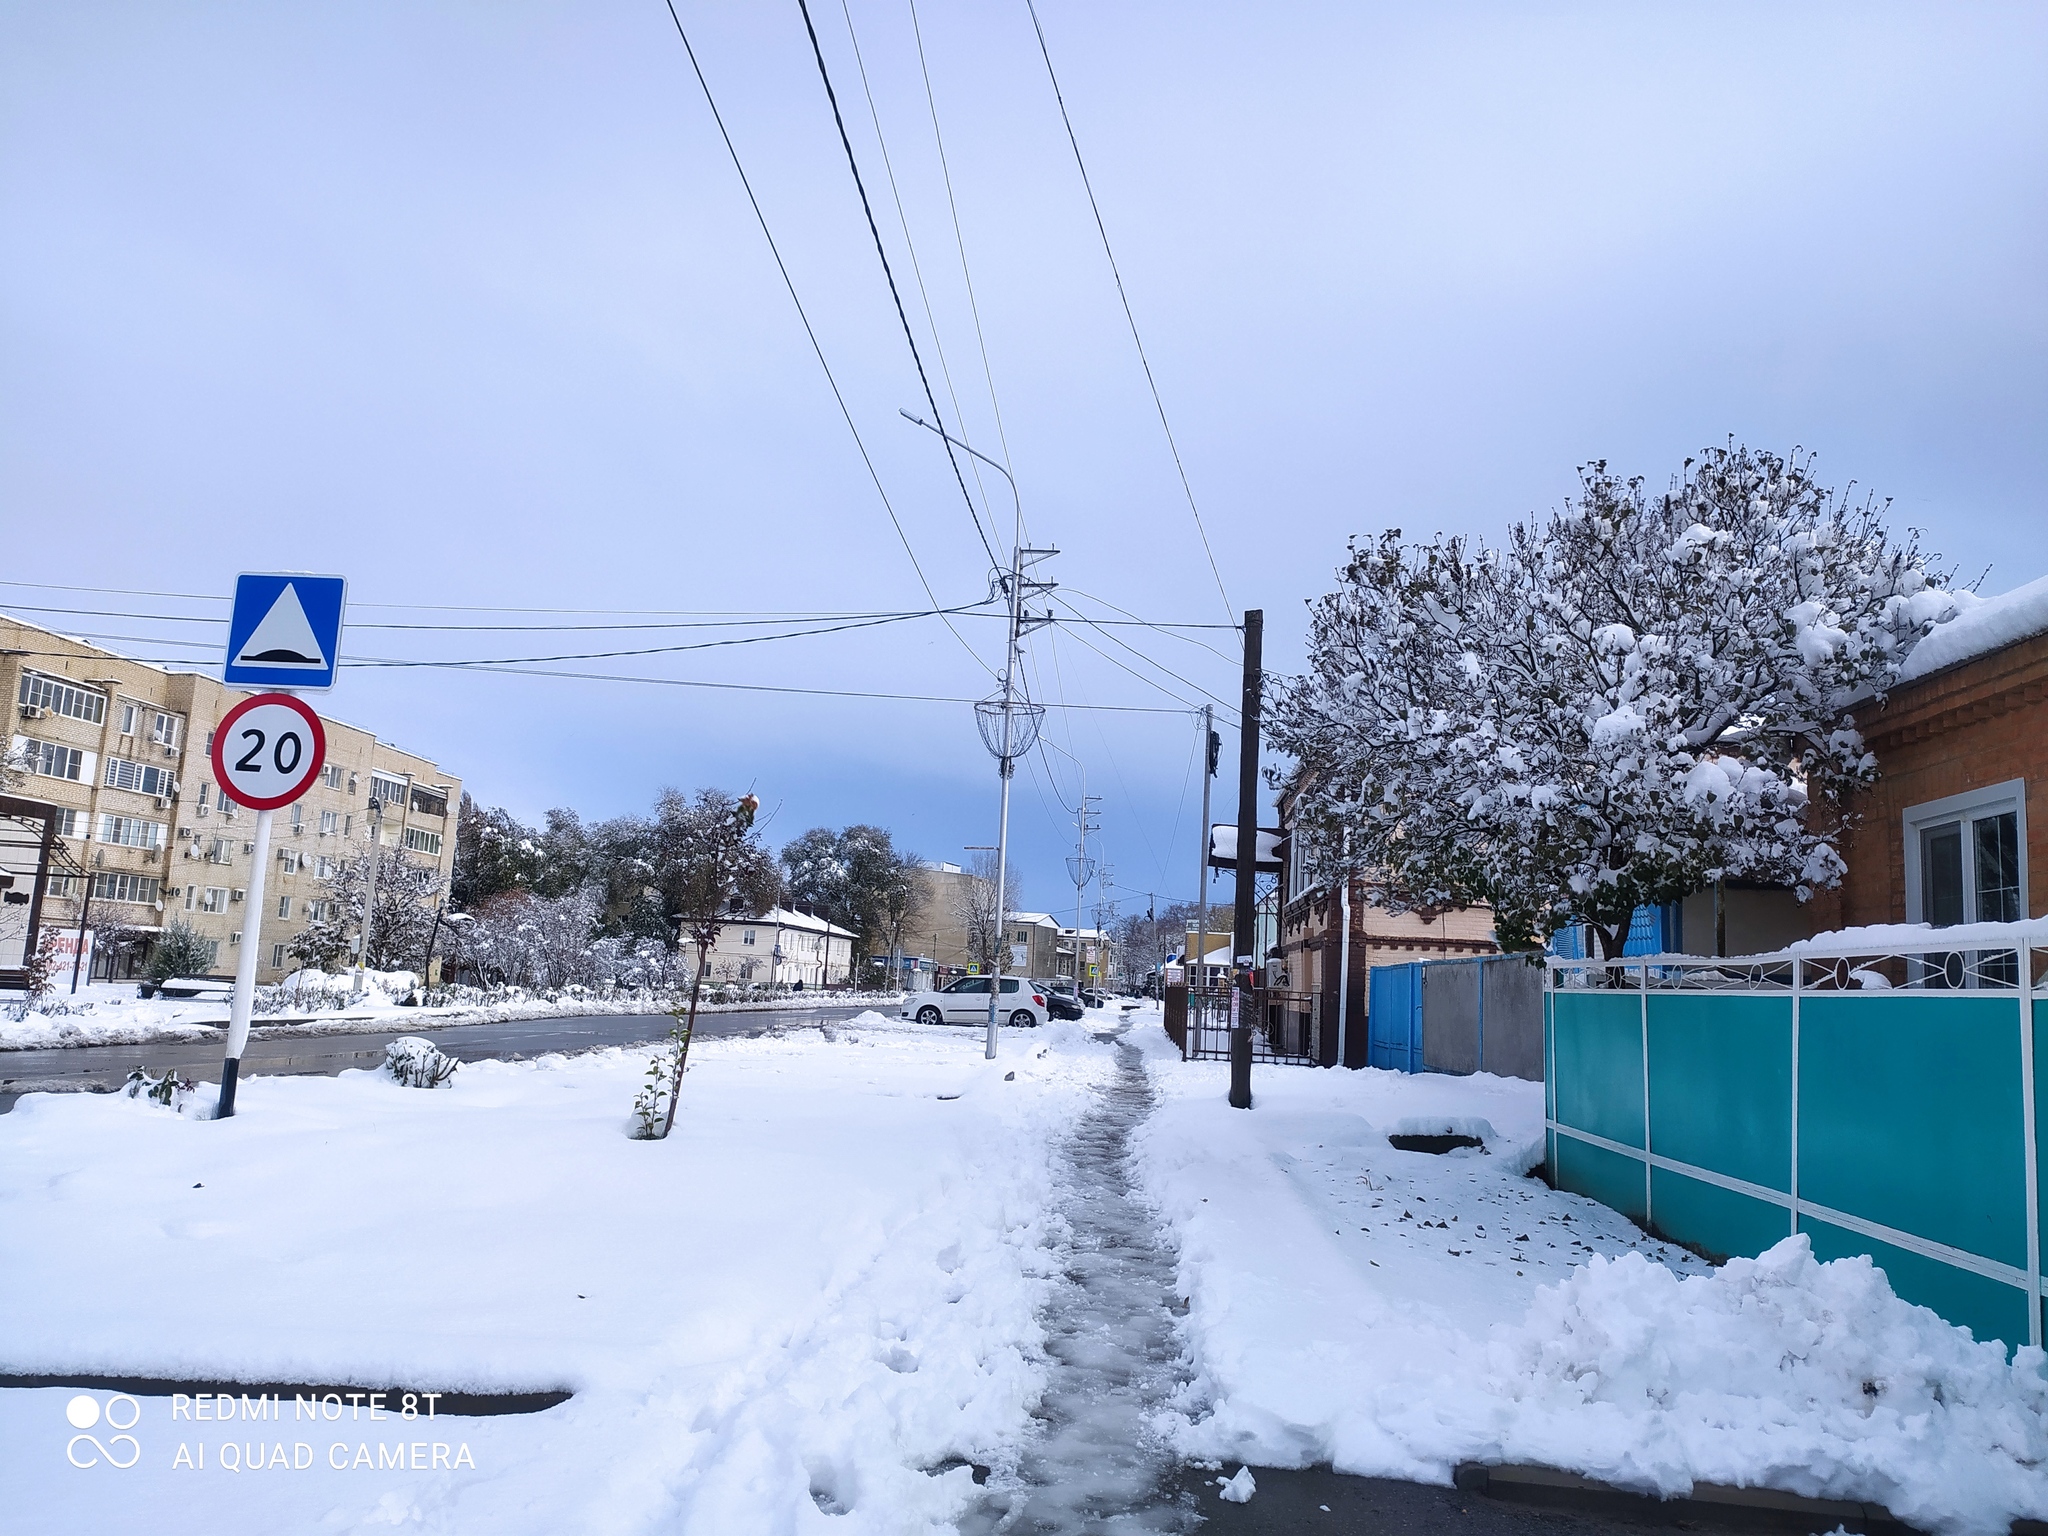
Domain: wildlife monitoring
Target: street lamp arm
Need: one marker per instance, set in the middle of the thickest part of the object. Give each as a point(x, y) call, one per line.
point(968, 448)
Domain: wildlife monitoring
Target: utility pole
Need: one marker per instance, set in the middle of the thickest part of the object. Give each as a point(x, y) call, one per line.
point(1082, 868)
point(1243, 918)
point(376, 813)
point(1211, 747)
point(1008, 722)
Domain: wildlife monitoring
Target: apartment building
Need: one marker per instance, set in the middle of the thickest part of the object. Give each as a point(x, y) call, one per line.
point(782, 947)
point(119, 749)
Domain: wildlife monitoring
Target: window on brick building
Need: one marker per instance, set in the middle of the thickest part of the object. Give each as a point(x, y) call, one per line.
point(1966, 862)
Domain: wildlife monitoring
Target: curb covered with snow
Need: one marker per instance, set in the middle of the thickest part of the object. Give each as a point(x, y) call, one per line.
point(124, 1019)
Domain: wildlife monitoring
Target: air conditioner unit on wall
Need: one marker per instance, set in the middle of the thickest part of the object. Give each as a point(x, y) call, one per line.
point(33, 711)
point(237, 894)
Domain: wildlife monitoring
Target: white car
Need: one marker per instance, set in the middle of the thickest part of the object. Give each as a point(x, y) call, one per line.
point(966, 1002)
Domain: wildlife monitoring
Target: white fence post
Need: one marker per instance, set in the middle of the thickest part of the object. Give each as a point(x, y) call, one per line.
point(1798, 984)
point(2033, 1185)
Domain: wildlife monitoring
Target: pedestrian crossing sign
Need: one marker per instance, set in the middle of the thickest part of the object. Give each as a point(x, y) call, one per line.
point(285, 631)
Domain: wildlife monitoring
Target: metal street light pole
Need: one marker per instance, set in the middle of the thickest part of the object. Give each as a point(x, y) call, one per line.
point(1009, 722)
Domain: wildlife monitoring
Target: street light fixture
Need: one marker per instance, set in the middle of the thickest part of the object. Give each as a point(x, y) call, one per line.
point(1009, 721)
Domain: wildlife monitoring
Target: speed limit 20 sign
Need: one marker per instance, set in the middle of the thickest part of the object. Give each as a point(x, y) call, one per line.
point(268, 750)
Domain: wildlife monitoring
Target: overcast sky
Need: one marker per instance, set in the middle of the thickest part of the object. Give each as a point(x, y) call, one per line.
point(468, 304)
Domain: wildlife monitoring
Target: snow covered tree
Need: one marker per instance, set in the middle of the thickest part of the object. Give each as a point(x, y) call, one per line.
point(404, 917)
point(179, 951)
point(709, 866)
point(527, 940)
point(493, 853)
point(1634, 697)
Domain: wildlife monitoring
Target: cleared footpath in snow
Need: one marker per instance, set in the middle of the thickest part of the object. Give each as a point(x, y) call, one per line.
point(1395, 1313)
point(812, 1308)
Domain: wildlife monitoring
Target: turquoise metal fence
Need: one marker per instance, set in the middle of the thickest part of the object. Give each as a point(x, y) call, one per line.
point(1880, 1100)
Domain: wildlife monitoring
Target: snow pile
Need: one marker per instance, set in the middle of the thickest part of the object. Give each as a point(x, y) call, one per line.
point(1238, 1489)
point(1780, 1371)
point(820, 1294)
point(1396, 1314)
point(1980, 625)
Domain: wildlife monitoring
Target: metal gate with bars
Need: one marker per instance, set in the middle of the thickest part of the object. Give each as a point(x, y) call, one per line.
point(1287, 1027)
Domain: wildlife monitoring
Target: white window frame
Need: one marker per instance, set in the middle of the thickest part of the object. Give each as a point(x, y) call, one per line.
point(1991, 800)
point(208, 902)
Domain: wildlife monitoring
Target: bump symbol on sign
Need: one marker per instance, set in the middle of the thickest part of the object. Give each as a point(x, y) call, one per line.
point(284, 638)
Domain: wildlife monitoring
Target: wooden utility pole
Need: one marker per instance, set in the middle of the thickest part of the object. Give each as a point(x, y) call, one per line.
point(1244, 918)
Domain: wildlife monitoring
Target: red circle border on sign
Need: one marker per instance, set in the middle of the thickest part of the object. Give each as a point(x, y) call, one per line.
point(305, 712)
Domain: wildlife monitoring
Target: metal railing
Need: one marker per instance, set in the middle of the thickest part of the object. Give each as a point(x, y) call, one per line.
point(1873, 1089)
point(1287, 1027)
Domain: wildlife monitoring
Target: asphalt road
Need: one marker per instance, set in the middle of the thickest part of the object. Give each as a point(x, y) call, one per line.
point(107, 1066)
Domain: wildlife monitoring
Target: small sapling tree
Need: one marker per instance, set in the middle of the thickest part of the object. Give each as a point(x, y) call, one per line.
point(710, 867)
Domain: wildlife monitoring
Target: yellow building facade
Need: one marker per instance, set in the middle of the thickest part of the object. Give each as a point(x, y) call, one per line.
point(119, 749)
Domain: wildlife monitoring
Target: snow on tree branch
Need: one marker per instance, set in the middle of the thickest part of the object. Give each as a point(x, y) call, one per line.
point(1632, 698)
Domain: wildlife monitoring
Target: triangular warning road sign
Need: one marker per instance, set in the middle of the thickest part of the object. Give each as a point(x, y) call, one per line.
point(284, 638)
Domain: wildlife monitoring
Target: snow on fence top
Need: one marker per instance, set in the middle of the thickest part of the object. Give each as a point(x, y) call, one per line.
point(1847, 943)
point(1981, 625)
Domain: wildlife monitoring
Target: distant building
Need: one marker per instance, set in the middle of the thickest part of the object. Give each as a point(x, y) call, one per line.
point(1034, 946)
point(781, 948)
point(117, 750)
point(1096, 960)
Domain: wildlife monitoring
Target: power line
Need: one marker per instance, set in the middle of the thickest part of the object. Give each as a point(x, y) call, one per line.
point(652, 650)
point(916, 266)
point(789, 283)
point(1151, 682)
point(1103, 230)
point(861, 187)
point(669, 682)
point(356, 624)
point(1124, 645)
point(959, 240)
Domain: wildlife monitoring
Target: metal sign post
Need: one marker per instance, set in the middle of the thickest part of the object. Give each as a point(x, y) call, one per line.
point(266, 753)
point(285, 631)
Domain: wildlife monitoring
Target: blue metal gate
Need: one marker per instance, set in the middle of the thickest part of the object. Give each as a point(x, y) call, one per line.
point(1394, 1018)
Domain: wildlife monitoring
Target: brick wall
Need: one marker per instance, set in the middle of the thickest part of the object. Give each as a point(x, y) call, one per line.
point(1975, 725)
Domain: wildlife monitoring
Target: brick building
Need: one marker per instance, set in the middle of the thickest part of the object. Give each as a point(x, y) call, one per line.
point(1956, 828)
point(116, 750)
point(1312, 954)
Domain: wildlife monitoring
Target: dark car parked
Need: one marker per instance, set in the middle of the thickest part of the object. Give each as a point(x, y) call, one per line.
point(1060, 1004)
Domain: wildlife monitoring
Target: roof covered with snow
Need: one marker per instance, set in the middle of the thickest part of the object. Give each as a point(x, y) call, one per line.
point(1981, 625)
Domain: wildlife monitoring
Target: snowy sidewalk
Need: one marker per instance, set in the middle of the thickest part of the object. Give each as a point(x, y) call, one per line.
point(1396, 1313)
point(821, 1295)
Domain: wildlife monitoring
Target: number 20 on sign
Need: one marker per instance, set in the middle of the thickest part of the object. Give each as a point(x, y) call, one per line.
point(268, 750)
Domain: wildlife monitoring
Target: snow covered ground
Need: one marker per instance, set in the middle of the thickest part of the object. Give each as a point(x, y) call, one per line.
point(110, 1013)
point(845, 1279)
point(821, 1294)
point(1396, 1313)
